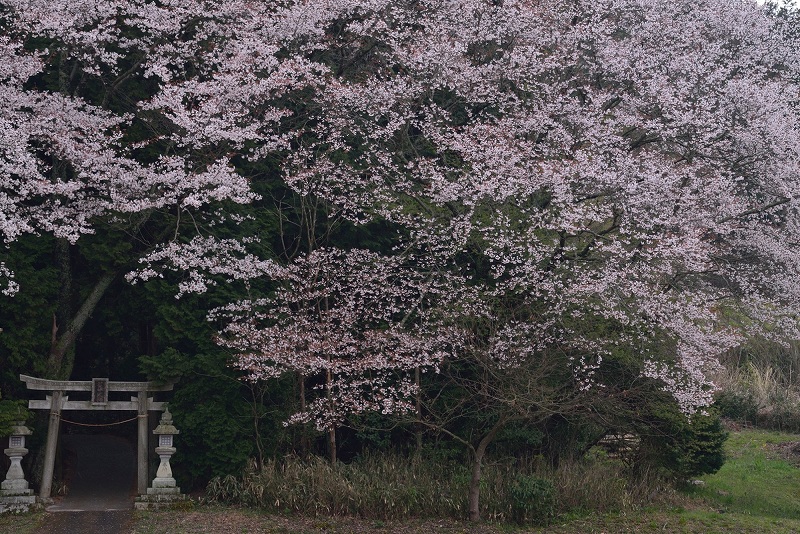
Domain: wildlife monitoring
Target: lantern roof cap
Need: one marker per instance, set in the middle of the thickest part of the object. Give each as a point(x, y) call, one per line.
point(165, 426)
point(19, 429)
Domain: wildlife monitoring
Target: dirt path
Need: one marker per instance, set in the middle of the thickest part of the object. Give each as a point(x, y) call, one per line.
point(101, 476)
point(120, 522)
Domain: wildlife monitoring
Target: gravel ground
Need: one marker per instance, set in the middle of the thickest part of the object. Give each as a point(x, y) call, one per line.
point(219, 520)
point(87, 523)
point(102, 482)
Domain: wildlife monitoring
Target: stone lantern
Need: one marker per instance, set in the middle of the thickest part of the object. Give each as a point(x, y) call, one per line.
point(164, 432)
point(164, 489)
point(14, 491)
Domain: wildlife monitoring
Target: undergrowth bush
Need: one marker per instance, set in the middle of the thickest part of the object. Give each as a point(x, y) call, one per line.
point(393, 486)
point(737, 405)
point(533, 499)
point(387, 487)
point(679, 447)
point(760, 385)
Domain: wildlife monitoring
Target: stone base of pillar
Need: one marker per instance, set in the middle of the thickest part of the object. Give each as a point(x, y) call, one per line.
point(158, 498)
point(164, 491)
point(18, 501)
point(14, 487)
point(162, 484)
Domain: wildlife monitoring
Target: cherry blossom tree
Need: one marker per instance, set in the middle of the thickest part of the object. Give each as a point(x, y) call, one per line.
point(359, 321)
point(630, 163)
point(84, 147)
point(544, 168)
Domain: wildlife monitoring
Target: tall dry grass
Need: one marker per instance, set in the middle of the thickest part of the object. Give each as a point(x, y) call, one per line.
point(395, 486)
point(760, 384)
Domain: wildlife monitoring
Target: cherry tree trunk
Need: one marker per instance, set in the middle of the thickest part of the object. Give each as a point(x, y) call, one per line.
point(477, 464)
point(304, 441)
point(475, 489)
point(332, 445)
point(331, 428)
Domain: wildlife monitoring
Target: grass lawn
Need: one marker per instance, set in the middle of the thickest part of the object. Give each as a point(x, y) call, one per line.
point(755, 480)
point(20, 524)
point(757, 490)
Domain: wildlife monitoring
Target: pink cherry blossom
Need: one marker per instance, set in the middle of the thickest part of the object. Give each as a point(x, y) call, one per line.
point(627, 162)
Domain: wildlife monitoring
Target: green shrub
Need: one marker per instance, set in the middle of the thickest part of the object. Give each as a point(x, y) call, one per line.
point(683, 447)
point(533, 499)
point(738, 406)
point(10, 413)
point(701, 445)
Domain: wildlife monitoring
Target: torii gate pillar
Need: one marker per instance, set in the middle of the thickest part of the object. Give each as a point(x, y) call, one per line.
point(141, 447)
point(53, 428)
point(99, 388)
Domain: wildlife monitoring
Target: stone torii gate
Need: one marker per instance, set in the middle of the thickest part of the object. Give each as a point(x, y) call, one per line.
point(99, 388)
